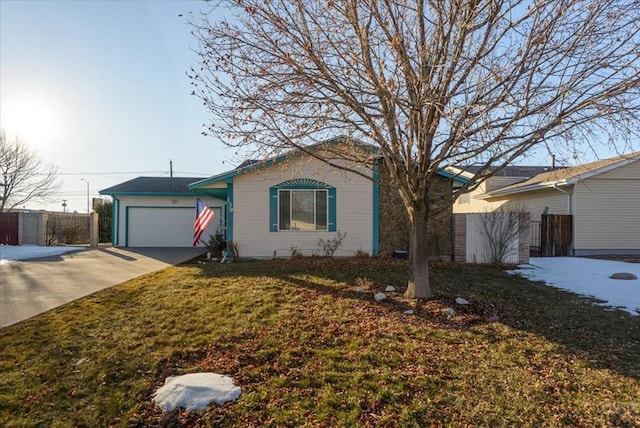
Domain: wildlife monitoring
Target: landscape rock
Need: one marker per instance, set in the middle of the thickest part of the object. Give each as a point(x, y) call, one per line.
point(409, 312)
point(379, 296)
point(449, 311)
point(623, 275)
point(390, 288)
point(359, 290)
point(461, 301)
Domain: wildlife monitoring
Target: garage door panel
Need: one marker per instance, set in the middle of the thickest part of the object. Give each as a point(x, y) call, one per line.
point(164, 226)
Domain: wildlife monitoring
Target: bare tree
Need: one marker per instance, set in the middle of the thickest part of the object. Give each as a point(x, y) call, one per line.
point(429, 83)
point(23, 176)
point(502, 229)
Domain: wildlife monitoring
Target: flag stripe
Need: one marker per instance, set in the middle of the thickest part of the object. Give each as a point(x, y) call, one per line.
point(204, 215)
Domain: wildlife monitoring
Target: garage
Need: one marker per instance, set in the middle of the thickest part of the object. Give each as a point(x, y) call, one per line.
point(159, 212)
point(164, 226)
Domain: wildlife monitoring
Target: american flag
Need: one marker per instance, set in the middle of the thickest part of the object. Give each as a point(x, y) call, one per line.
point(204, 215)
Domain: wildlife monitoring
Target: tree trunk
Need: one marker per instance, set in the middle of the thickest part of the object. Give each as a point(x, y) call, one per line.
point(418, 286)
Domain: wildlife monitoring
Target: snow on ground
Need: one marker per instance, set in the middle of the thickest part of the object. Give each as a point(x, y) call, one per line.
point(589, 277)
point(195, 391)
point(11, 253)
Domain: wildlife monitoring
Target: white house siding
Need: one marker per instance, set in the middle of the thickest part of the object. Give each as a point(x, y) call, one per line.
point(354, 214)
point(475, 205)
point(607, 212)
point(135, 209)
point(552, 200)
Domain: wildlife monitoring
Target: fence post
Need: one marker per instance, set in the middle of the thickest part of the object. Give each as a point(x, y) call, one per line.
point(525, 238)
point(94, 223)
point(460, 238)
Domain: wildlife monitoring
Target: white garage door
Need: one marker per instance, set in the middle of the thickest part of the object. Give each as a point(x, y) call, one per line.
point(165, 227)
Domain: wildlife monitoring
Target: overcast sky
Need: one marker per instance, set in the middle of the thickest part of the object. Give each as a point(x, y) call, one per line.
point(100, 89)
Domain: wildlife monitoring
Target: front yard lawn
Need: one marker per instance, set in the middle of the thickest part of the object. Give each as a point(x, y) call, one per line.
point(307, 349)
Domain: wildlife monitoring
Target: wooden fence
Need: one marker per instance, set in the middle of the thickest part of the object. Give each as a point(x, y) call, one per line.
point(9, 228)
point(49, 228)
point(556, 234)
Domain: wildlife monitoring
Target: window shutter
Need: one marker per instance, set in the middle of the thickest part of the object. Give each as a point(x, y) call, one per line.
point(331, 227)
point(273, 209)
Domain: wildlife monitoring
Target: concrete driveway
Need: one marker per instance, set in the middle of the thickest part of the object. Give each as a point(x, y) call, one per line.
point(30, 287)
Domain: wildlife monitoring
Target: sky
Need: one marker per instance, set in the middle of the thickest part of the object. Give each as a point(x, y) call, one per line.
point(99, 88)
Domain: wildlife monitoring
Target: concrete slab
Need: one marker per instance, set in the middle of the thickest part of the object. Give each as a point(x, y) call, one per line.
point(31, 287)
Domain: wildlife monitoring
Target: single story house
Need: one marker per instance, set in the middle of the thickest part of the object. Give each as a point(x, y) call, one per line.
point(158, 212)
point(603, 198)
point(277, 207)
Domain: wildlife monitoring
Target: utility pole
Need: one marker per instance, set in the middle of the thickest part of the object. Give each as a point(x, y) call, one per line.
point(87, 194)
point(64, 205)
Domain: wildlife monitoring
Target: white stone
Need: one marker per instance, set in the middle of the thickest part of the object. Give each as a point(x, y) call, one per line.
point(409, 312)
point(449, 311)
point(379, 296)
point(359, 290)
point(461, 301)
point(390, 288)
point(81, 361)
point(195, 391)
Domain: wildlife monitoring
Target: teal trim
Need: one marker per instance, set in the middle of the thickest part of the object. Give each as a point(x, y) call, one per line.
point(332, 226)
point(273, 209)
point(447, 174)
point(302, 184)
point(375, 247)
point(230, 208)
point(115, 224)
point(150, 194)
point(276, 160)
point(213, 193)
point(126, 227)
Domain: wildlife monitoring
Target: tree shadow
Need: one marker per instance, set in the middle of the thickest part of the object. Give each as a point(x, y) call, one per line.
point(604, 337)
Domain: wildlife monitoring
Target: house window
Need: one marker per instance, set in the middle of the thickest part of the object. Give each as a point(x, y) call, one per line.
point(302, 204)
point(302, 209)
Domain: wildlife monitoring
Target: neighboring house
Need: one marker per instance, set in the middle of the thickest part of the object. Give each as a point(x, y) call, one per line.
point(474, 202)
point(282, 205)
point(603, 197)
point(158, 212)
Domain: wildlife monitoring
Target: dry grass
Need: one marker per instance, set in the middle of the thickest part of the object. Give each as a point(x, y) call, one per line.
point(309, 350)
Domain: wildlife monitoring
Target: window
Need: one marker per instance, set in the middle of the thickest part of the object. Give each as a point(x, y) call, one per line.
point(302, 204)
point(302, 209)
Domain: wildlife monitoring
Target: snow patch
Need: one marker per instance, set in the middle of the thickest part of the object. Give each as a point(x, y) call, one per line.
point(11, 253)
point(195, 391)
point(588, 277)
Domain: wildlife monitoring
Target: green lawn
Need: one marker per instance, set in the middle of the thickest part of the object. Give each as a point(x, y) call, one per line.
point(309, 350)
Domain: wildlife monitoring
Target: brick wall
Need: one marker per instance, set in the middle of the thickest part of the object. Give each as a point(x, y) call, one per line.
point(395, 229)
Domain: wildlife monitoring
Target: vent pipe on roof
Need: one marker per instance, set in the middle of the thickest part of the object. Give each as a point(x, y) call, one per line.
point(553, 161)
point(170, 168)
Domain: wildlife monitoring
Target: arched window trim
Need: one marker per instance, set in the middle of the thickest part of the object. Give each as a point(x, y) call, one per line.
point(302, 184)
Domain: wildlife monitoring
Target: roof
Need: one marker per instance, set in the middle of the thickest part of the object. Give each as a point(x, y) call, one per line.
point(153, 186)
point(566, 176)
point(251, 164)
point(524, 171)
